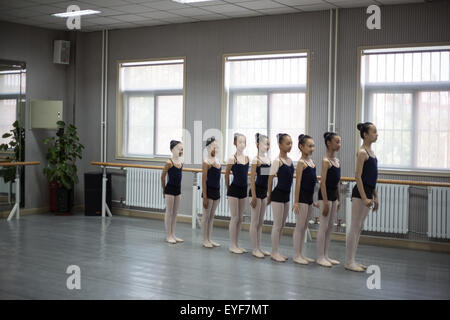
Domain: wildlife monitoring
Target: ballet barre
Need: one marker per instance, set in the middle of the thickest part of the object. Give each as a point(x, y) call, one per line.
point(404, 182)
point(16, 209)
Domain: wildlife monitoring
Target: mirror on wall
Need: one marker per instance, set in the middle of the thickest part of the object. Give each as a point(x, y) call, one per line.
point(12, 133)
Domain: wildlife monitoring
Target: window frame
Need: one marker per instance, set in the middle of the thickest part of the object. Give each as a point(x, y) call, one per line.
point(226, 114)
point(414, 89)
point(120, 108)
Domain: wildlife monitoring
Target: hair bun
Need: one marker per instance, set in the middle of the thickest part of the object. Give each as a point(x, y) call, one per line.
point(328, 136)
point(173, 143)
point(363, 128)
point(300, 137)
point(210, 140)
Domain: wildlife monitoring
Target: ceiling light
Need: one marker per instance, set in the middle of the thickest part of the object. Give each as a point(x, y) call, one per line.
point(75, 13)
point(191, 1)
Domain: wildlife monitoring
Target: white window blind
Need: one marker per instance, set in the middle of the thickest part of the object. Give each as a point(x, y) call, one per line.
point(266, 94)
point(405, 93)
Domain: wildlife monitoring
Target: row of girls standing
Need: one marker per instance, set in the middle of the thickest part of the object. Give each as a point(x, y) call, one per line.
point(261, 194)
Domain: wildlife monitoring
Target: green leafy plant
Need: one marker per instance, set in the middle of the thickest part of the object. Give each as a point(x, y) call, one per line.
point(63, 151)
point(9, 173)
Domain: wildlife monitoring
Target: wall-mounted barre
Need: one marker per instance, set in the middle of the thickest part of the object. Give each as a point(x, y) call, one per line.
point(390, 181)
point(15, 164)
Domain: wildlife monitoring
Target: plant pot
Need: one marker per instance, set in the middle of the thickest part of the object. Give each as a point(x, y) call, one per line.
point(64, 200)
point(52, 193)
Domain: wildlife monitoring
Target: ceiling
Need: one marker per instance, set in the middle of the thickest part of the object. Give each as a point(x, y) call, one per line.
point(119, 14)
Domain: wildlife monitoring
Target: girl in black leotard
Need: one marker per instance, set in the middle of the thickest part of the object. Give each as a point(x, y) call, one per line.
point(283, 167)
point(329, 197)
point(237, 191)
point(258, 192)
point(364, 195)
point(172, 191)
point(211, 173)
point(304, 190)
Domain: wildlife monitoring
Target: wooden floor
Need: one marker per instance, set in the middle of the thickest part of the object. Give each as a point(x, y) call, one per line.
point(127, 258)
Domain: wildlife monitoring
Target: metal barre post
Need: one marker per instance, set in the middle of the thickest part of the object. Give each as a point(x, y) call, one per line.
point(104, 205)
point(194, 202)
point(16, 208)
point(348, 210)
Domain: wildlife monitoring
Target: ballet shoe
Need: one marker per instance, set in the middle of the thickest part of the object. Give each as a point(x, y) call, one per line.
point(242, 249)
point(215, 244)
point(277, 258)
point(308, 259)
point(258, 254)
point(207, 245)
point(332, 261)
point(171, 240)
point(266, 253)
point(178, 239)
point(235, 250)
point(362, 266)
point(354, 267)
point(300, 260)
point(323, 263)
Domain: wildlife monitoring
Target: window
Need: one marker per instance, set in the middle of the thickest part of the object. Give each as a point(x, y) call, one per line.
point(12, 85)
point(151, 107)
point(266, 94)
point(405, 93)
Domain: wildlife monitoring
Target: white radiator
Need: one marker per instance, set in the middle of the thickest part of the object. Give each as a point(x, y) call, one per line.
point(438, 212)
point(143, 188)
point(393, 211)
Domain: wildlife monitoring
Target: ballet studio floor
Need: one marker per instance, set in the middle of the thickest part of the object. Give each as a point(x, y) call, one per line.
point(127, 258)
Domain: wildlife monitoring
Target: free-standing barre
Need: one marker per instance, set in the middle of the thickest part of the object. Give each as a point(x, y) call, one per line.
point(16, 208)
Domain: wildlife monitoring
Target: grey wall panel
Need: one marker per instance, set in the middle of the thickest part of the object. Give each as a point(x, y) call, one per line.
point(88, 111)
point(45, 80)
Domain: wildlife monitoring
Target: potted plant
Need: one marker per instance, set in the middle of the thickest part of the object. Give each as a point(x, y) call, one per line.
point(61, 171)
point(17, 135)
